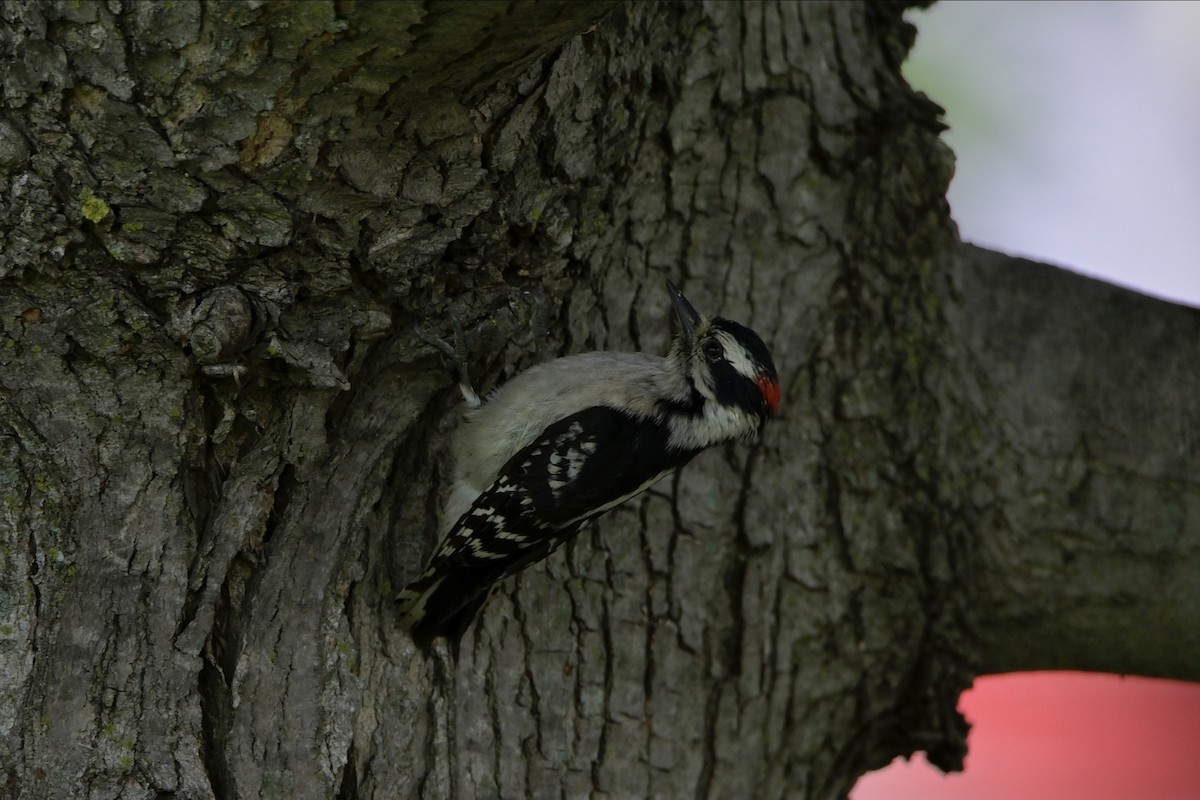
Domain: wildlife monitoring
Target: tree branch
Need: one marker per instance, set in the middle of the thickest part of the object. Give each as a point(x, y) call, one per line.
point(1090, 521)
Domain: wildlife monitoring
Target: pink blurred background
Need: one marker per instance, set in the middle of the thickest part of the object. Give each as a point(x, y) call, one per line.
point(1063, 736)
point(1077, 131)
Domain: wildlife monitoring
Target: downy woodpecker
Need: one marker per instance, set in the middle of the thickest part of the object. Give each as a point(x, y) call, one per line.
point(565, 441)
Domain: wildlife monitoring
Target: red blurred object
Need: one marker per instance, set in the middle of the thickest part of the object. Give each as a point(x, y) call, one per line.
point(1063, 736)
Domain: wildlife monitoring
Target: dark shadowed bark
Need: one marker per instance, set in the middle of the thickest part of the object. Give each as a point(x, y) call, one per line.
point(222, 447)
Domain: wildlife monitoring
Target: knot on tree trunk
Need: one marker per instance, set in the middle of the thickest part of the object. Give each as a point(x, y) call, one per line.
point(218, 324)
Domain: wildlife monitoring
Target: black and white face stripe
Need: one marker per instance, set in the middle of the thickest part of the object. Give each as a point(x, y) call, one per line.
point(729, 363)
point(754, 355)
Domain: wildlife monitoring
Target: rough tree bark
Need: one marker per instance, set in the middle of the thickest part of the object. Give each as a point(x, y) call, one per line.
point(222, 448)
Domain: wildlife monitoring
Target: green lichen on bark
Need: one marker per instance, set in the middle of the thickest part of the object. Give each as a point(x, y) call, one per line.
point(91, 207)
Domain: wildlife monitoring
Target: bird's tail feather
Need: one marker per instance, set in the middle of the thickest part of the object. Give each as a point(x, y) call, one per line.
point(431, 607)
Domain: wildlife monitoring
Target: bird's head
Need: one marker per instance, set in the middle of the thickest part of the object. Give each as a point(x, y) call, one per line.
point(728, 366)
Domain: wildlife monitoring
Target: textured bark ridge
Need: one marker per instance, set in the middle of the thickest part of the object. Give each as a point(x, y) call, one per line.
point(222, 448)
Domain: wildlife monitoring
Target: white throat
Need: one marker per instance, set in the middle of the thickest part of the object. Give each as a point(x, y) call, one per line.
point(718, 423)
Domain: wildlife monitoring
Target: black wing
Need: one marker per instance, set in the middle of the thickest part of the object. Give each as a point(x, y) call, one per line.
point(579, 467)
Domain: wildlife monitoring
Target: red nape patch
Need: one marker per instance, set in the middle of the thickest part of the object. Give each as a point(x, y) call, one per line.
point(770, 392)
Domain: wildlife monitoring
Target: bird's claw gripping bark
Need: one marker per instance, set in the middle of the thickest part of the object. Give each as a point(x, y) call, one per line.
point(460, 365)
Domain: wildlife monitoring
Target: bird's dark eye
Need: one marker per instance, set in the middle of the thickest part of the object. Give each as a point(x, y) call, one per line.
point(712, 350)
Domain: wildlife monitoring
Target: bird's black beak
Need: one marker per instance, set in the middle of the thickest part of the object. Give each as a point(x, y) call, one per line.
point(688, 317)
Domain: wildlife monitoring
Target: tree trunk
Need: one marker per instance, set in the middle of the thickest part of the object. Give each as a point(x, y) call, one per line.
point(223, 448)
